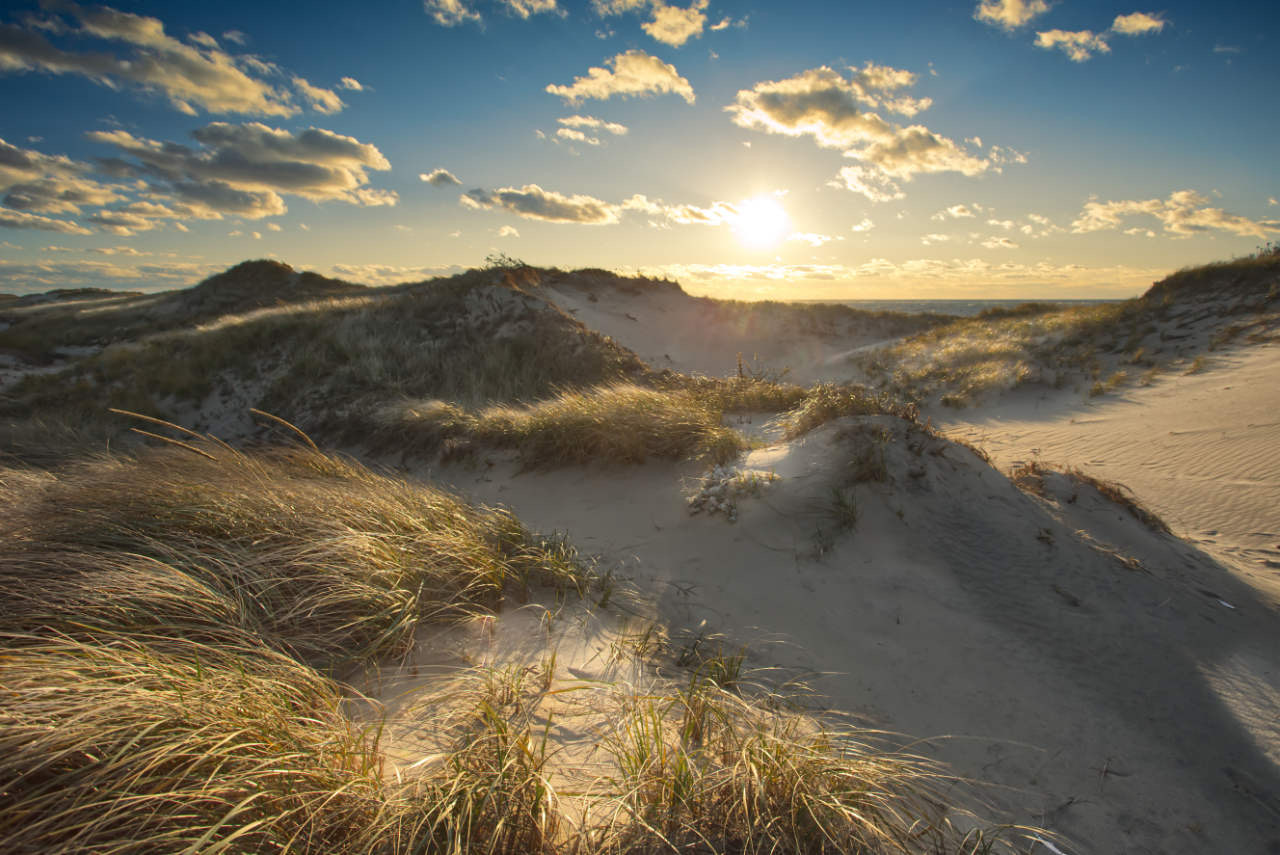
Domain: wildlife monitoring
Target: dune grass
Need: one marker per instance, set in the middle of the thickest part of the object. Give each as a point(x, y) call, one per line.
point(177, 624)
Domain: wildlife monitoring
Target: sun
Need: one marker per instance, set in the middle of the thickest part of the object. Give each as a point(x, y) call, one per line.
point(760, 222)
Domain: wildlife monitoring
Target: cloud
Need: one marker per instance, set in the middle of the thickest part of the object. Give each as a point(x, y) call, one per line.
point(236, 36)
point(118, 250)
point(386, 274)
point(634, 73)
point(38, 183)
point(244, 170)
point(42, 275)
point(1078, 46)
point(931, 239)
point(508, 231)
point(1271, 200)
point(450, 13)
point(525, 8)
point(864, 226)
point(594, 123)
point(825, 105)
point(956, 212)
point(534, 203)
point(439, 177)
point(19, 220)
point(1009, 14)
point(723, 24)
point(871, 183)
point(350, 83)
point(321, 100)
point(814, 240)
point(575, 135)
point(1137, 24)
point(188, 75)
point(674, 26)
point(1007, 225)
point(999, 243)
point(1183, 214)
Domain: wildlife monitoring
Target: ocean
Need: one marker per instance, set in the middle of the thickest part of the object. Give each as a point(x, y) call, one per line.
point(965, 308)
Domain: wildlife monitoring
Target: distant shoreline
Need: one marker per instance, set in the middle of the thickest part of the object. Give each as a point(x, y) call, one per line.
point(966, 308)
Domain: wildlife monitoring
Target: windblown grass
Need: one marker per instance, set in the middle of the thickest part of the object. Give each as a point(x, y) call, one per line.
point(620, 423)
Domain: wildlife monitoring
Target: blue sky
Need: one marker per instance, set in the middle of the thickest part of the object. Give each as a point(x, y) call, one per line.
point(999, 148)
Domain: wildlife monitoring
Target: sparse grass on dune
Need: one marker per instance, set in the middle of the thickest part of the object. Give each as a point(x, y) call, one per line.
point(624, 422)
point(1001, 349)
point(620, 423)
point(173, 624)
point(1031, 477)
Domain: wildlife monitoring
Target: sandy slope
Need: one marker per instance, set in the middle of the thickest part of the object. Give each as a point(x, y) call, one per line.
point(1201, 450)
point(1128, 709)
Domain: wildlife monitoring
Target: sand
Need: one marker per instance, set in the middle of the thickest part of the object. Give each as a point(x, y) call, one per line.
point(1114, 684)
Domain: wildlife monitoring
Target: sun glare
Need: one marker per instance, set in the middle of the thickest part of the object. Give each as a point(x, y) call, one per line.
point(761, 222)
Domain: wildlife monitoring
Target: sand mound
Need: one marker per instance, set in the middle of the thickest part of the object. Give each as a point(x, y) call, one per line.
point(253, 285)
point(1055, 645)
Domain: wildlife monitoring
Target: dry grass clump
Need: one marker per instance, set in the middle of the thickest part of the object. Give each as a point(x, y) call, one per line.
point(618, 423)
point(1121, 495)
point(827, 401)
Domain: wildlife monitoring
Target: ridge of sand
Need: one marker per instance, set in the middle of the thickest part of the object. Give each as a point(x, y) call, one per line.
point(1127, 709)
point(1201, 450)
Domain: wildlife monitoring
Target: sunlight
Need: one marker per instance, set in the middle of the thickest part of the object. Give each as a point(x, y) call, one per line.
point(760, 223)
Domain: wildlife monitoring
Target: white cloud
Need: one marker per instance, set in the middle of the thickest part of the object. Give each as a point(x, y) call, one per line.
point(674, 26)
point(956, 212)
point(386, 274)
point(634, 73)
point(38, 183)
point(236, 37)
point(594, 123)
point(864, 226)
point(189, 75)
point(575, 135)
point(350, 83)
point(118, 250)
point(1137, 24)
point(1009, 14)
point(274, 227)
point(1137, 232)
point(868, 182)
point(723, 24)
point(525, 8)
point(814, 240)
point(19, 220)
point(823, 104)
point(321, 100)
point(1183, 214)
point(243, 170)
point(1078, 46)
point(450, 13)
point(930, 240)
point(439, 177)
point(999, 243)
point(508, 231)
point(1001, 224)
point(534, 203)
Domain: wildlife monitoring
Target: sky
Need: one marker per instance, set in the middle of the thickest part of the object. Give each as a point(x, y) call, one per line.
point(1000, 149)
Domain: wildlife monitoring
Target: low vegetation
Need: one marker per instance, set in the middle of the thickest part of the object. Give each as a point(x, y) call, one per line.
point(178, 624)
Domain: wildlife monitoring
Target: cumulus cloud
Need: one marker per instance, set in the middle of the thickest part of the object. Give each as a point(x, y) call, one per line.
point(1137, 24)
point(999, 243)
point(350, 83)
point(387, 274)
point(199, 74)
point(439, 177)
point(865, 225)
point(20, 220)
point(823, 104)
point(811, 238)
point(593, 123)
point(450, 13)
point(508, 231)
point(1183, 214)
point(242, 170)
point(631, 74)
point(38, 183)
point(534, 203)
point(575, 135)
point(1079, 46)
point(674, 26)
point(30, 277)
point(956, 212)
point(1009, 14)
